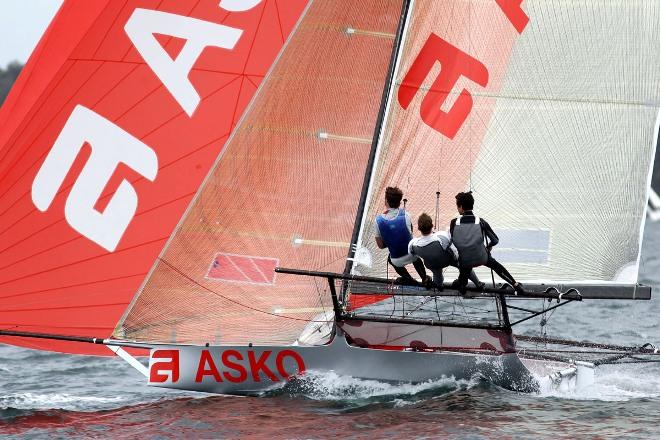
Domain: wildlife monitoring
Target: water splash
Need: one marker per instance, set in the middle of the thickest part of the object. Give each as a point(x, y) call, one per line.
point(332, 387)
point(614, 383)
point(36, 401)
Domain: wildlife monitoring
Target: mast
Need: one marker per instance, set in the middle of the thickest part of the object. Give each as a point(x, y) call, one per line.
point(376, 144)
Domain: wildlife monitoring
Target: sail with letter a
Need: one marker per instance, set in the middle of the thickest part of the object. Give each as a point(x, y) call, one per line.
point(107, 135)
point(548, 111)
point(159, 159)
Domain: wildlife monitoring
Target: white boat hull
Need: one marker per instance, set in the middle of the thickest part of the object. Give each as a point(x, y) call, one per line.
point(255, 369)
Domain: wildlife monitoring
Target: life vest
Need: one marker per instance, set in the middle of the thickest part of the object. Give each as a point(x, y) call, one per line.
point(395, 233)
point(469, 240)
point(434, 255)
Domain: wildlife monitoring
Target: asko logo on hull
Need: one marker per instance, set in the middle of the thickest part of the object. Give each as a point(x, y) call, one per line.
point(229, 365)
point(111, 145)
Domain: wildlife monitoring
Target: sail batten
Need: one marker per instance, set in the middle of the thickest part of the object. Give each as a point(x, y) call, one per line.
point(452, 94)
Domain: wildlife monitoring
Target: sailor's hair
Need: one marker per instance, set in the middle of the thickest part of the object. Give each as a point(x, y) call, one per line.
point(425, 223)
point(465, 200)
point(393, 195)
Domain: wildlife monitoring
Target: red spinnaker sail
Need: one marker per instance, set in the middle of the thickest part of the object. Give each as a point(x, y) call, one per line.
point(106, 137)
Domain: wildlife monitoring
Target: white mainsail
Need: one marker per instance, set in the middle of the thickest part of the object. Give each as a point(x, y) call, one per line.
point(557, 147)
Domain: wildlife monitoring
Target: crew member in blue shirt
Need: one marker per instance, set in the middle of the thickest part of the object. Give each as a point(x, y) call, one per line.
point(393, 230)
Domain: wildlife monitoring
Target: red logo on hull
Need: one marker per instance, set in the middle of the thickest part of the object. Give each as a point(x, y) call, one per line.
point(166, 370)
point(232, 366)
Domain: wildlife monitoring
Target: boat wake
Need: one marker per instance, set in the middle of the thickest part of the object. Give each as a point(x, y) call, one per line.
point(302, 401)
point(614, 383)
point(332, 387)
point(37, 401)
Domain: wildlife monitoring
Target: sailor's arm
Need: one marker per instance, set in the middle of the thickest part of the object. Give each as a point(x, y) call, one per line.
point(490, 234)
point(379, 240)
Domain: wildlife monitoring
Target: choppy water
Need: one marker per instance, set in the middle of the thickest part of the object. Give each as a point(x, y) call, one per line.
point(45, 395)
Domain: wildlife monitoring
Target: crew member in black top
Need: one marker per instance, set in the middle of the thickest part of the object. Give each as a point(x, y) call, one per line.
point(474, 239)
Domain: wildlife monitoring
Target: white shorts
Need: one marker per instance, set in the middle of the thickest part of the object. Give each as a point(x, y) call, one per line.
point(402, 261)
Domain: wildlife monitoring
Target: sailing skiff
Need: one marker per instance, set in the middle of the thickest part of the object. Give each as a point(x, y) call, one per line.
point(196, 181)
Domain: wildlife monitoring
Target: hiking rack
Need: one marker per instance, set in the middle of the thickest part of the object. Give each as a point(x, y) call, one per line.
point(562, 293)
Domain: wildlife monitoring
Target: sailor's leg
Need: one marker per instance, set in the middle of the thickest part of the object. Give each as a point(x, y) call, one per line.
point(419, 267)
point(402, 271)
point(500, 270)
point(472, 276)
point(463, 274)
point(438, 278)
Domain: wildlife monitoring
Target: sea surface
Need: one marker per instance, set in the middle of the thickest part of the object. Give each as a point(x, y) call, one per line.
point(46, 395)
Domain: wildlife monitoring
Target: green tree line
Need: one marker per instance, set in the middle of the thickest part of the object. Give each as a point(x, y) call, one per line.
point(7, 77)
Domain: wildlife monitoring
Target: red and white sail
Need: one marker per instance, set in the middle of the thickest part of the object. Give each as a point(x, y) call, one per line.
point(285, 191)
point(547, 110)
point(159, 158)
point(110, 130)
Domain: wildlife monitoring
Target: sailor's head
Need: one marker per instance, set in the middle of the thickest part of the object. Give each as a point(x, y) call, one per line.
point(425, 224)
point(464, 202)
point(393, 196)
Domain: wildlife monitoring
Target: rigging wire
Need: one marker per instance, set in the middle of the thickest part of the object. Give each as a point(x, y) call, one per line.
point(254, 309)
point(437, 209)
point(470, 166)
point(545, 318)
point(587, 344)
point(437, 185)
point(614, 354)
point(626, 353)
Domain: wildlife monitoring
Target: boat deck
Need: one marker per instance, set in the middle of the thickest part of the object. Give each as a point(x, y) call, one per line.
point(420, 304)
